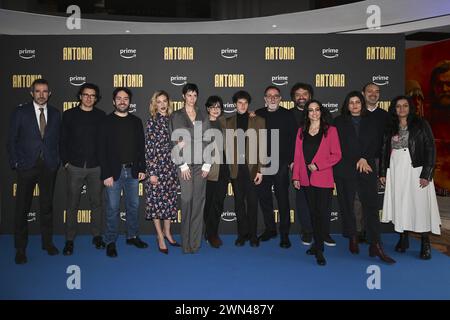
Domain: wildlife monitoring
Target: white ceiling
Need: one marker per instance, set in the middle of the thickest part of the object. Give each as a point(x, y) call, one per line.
point(399, 16)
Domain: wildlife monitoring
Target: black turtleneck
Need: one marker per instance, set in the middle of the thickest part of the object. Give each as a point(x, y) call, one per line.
point(242, 121)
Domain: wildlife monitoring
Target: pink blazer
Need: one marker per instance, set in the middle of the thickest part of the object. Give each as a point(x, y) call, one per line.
point(328, 154)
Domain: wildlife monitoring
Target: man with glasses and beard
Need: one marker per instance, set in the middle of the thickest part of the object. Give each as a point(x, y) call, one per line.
point(122, 161)
point(277, 119)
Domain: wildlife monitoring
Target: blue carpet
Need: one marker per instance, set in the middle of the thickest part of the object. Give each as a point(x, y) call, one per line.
point(267, 272)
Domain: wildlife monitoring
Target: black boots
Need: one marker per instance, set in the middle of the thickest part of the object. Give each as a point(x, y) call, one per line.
point(403, 242)
point(425, 247)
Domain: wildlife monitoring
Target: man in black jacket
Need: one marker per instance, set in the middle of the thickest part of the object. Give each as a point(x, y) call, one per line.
point(79, 135)
point(122, 161)
point(277, 119)
point(33, 147)
point(371, 93)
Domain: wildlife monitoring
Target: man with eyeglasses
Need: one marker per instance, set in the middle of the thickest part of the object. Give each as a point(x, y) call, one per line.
point(78, 149)
point(277, 118)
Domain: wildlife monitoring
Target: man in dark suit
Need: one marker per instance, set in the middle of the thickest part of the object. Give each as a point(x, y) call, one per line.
point(33, 147)
point(245, 167)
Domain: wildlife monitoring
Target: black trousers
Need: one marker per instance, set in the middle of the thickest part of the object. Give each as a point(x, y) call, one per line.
point(26, 181)
point(280, 182)
point(76, 177)
point(319, 200)
point(366, 184)
point(215, 196)
point(301, 205)
point(246, 203)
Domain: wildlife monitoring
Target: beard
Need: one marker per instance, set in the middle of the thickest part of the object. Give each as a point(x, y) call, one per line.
point(120, 109)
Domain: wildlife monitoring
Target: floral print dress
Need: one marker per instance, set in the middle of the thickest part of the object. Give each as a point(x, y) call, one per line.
point(161, 199)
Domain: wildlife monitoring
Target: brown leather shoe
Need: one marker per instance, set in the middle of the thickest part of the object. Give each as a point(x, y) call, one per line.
point(353, 245)
point(375, 249)
point(214, 241)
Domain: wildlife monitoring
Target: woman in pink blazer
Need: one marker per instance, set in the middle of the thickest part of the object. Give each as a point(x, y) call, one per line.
point(317, 150)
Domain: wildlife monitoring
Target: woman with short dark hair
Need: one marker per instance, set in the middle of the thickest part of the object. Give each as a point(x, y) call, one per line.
point(358, 136)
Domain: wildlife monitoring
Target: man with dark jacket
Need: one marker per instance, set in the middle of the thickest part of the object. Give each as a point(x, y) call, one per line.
point(122, 161)
point(33, 147)
point(371, 93)
point(280, 120)
point(79, 135)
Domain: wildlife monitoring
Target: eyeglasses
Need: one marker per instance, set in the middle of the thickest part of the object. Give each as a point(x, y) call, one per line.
point(276, 96)
point(214, 107)
point(87, 95)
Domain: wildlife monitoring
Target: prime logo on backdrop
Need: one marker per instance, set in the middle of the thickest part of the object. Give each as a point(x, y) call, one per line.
point(219, 64)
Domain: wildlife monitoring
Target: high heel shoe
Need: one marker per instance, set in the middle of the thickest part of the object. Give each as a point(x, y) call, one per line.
point(403, 243)
point(376, 249)
point(165, 251)
point(173, 244)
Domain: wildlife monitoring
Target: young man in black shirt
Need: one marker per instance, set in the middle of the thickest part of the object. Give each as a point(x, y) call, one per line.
point(78, 148)
point(122, 162)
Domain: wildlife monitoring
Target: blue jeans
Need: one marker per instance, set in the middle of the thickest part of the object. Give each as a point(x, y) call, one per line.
point(130, 188)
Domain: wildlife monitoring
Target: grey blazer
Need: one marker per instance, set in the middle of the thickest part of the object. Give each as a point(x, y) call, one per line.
point(192, 136)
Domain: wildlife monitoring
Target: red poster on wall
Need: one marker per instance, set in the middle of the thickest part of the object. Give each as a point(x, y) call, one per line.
point(427, 74)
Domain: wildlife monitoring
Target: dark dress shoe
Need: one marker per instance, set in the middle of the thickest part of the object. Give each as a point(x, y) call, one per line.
point(111, 250)
point(137, 242)
point(21, 257)
point(375, 249)
point(98, 242)
point(173, 244)
point(403, 243)
point(320, 259)
point(425, 248)
point(240, 241)
point(214, 241)
point(285, 242)
point(311, 251)
point(267, 235)
point(68, 248)
point(353, 245)
point(254, 242)
point(51, 249)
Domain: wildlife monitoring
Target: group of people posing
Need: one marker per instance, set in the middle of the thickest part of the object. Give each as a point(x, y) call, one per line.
point(110, 154)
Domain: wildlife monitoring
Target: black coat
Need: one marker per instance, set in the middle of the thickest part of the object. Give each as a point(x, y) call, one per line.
point(355, 147)
point(421, 148)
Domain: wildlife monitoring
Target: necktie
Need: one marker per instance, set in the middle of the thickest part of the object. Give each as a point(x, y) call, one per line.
point(42, 122)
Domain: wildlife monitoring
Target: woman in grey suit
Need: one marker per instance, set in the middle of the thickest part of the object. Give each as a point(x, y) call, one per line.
point(188, 126)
